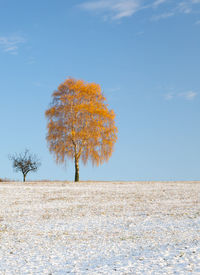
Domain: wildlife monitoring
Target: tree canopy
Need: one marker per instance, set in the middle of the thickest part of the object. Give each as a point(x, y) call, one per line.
point(80, 125)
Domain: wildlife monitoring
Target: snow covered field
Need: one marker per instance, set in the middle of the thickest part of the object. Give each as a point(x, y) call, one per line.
point(100, 228)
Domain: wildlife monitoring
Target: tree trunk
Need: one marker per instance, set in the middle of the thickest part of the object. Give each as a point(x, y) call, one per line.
point(24, 177)
point(76, 169)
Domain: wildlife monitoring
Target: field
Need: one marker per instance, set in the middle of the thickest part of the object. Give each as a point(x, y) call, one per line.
point(100, 228)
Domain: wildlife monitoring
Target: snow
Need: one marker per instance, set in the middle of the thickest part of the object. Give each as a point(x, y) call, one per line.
point(100, 228)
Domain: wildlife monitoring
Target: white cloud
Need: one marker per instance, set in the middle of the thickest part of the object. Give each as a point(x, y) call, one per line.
point(125, 8)
point(180, 7)
point(101, 5)
point(185, 7)
point(10, 44)
point(169, 96)
point(159, 2)
point(117, 9)
point(189, 95)
point(163, 16)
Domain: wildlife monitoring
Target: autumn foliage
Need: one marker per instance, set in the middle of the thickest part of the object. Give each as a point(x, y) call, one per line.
point(80, 125)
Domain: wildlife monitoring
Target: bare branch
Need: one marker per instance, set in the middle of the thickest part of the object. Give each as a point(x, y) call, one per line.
point(25, 163)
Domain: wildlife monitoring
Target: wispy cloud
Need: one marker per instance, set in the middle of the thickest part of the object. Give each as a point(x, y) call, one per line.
point(10, 44)
point(185, 7)
point(161, 9)
point(169, 96)
point(158, 3)
point(162, 16)
point(195, 1)
point(116, 9)
point(189, 95)
point(180, 7)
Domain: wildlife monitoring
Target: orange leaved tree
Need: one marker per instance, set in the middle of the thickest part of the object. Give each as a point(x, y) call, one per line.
point(80, 125)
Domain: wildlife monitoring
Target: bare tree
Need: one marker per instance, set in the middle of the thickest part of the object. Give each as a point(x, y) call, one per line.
point(25, 163)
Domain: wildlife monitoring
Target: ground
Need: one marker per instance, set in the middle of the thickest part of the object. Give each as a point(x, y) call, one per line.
point(100, 228)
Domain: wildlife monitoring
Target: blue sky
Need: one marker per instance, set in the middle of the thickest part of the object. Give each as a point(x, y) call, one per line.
point(144, 54)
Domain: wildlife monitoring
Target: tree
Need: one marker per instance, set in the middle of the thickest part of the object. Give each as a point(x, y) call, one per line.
point(80, 126)
point(25, 163)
